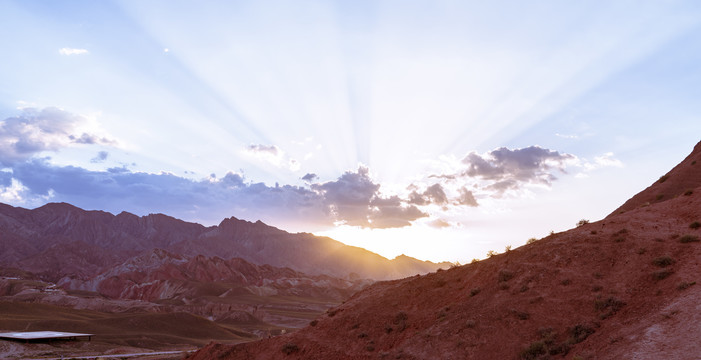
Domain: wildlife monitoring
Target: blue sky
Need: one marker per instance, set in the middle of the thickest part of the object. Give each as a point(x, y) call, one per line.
point(431, 128)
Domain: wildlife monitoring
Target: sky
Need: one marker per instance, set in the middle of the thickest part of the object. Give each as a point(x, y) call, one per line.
point(436, 129)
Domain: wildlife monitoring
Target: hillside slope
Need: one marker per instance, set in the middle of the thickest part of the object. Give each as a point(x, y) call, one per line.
point(621, 288)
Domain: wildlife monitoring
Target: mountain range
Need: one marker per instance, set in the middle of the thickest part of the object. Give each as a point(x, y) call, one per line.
point(59, 239)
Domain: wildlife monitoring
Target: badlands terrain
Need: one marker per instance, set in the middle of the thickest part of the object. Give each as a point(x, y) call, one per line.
point(158, 283)
point(624, 287)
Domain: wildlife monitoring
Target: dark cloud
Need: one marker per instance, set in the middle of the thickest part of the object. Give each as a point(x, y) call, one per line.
point(208, 200)
point(265, 149)
point(34, 131)
point(355, 200)
point(433, 194)
point(100, 157)
point(527, 165)
point(310, 177)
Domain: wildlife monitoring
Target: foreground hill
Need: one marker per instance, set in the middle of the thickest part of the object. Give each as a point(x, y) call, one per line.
point(621, 288)
point(59, 239)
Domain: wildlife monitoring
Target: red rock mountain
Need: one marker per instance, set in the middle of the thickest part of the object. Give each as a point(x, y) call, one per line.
point(59, 239)
point(625, 287)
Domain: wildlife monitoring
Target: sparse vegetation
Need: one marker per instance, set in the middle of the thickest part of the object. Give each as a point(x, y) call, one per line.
point(491, 253)
point(619, 239)
point(693, 162)
point(621, 232)
point(660, 275)
point(695, 225)
point(685, 285)
point(582, 222)
point(688, 239)
point(663, 178)
point(641, 251)
point(475, 291)
point(663, 261)
point(505, 275)
point(470, 324)
point(474, 261)
point(507, 248)
point(290, 348)
point(608, 306)
point(565, 282)
point(400, 321)
point(596, 288)
point(659, 197)
point(688, 192)
point(534, 351)
point(579, 333)
point(314, 322)
point(521, 315)
point(531, 240)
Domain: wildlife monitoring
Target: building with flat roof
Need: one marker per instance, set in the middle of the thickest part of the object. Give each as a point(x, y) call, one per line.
point(43, 335)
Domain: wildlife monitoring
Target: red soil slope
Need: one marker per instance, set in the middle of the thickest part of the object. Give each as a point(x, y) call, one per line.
point(620, 288)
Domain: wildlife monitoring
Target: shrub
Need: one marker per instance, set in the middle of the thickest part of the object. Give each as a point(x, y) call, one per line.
point(684, 285)
point(491, 253)
point(660, 275)
point(663, 178)
point(580, 332)
point(531, 240)
point(565, 282)
point(609, 306)
point(695, 225)
point(688, 239)
point(688, 192)
point(659, 197)
point(641, 251)
point(470, 324)
point(475, 291)
point(663, 261)
point(314, 322)
point(619, 239)
point(505, 275)
point(507, 248)
point(582, 222)
point(533, 351)
point(290, 348)
point(474, 261)
point(400, 321)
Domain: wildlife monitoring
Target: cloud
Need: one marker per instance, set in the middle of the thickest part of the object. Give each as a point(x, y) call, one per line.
point(310, 177)
point(433, 194)
point(72, 51)
point(439, 224)
point(355, 200)
point(352, 199)
point(101, 157)
point(264, 149)
point(272, 155)
point(48, 129)
point(466, 197)
point(505, 169)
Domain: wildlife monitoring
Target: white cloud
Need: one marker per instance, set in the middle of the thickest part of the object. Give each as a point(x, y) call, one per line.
point(72, 51)
point(273, 155)
point(48, 129)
